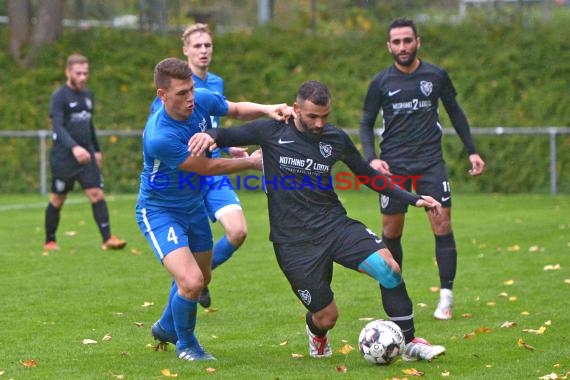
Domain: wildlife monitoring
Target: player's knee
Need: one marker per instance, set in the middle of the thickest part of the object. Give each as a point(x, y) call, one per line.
point(387, 274)
point(191, 286)
point(236, 235)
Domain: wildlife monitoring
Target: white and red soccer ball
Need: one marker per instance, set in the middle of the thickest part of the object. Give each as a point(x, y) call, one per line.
point(380, 342)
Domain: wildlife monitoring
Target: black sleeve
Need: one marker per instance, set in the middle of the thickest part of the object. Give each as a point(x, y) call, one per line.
point(247, 134)
point(372, 105)
point(456, 114)
point(57, 116)
point(92, 126)
point(372, 178)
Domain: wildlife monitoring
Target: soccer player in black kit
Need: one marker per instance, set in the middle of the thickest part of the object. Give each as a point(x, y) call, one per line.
point(407, 95)
point(309, 227)
point(75, 154)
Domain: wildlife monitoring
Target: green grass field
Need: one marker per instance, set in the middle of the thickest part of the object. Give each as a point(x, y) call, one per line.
point(51, 303)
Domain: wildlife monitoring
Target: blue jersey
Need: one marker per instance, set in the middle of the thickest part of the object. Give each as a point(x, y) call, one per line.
point(213, 83)
point(165, 147)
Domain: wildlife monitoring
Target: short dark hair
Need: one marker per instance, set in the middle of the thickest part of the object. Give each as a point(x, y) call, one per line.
point(168, 69)
point(315, 92)
point(402, 22)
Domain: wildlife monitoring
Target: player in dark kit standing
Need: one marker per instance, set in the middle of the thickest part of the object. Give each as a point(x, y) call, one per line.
point(75, 155)
point(309, 227)
point(407, 95)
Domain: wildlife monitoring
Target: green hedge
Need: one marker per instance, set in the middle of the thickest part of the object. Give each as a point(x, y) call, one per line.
point(506, 75)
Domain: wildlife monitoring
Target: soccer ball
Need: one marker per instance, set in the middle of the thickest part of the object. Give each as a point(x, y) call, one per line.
point(380, 342)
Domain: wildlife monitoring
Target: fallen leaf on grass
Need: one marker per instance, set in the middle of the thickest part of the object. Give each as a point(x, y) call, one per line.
point(525, 313)
point(522, 343)
point(139, 324)
point(147, 304)
point(284, 343)
point(548, 323)
point(480, 330)
point(540, 330)
point(117, 376)
point(166, 372)
point(413, 372)
point(422, 305)
point(513, 298)
point(89, 341)
point(70, 233)
point(508, 324)
point(210, 370)
point(434, 289)
point(445, 373)
point(503, 294)
point(567, 281)
point(534, 248)
point(296, 356)
point(210, 310)
point(552, 267)
point(31, 363)
point(514, 248)
point(345, 349)
point(341, 368)
point(491, 303)
point(2, 372)
point(467, 315)
point(107, 338)
point(367, 319)
point(551, 376)
point(136, 252)
point(509, 282)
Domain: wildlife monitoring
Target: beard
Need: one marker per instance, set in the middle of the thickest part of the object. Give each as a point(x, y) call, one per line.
point(311, 133)
point(405, 62)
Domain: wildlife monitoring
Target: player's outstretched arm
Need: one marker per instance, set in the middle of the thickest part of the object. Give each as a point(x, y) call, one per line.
point(250, 111)
point(217, 166)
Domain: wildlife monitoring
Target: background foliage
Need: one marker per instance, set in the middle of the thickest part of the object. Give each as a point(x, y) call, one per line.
point(507, 73)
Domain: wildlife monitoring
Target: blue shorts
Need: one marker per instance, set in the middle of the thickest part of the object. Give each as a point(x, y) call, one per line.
point(219, 197)
point(167, 230)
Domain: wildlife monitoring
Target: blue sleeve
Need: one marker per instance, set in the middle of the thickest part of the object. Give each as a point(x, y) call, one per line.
point(215, 104)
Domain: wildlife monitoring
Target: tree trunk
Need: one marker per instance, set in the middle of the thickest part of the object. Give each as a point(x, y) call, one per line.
point(19, 16)
point(48, 28)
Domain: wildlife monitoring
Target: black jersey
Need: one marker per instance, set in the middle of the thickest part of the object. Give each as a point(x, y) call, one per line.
point(302, 201)
point(411, 130)
point(71, 114)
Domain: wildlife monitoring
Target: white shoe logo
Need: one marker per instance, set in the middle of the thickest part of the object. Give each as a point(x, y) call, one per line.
point(285, 141)
point(392, 93)
point(72, 104)
point(445, 199)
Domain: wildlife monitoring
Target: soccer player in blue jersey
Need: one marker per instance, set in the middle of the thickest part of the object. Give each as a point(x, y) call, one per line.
point(407, 95)
point(170, 209)
point(222, 203)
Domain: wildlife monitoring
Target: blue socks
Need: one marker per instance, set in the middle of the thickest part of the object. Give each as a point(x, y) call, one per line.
point(184, 316)
point(223, 250)
point(166, 321)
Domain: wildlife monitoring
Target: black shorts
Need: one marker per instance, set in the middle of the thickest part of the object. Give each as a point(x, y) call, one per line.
point(432, 181)
point(308, 266)
point(64, 177)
